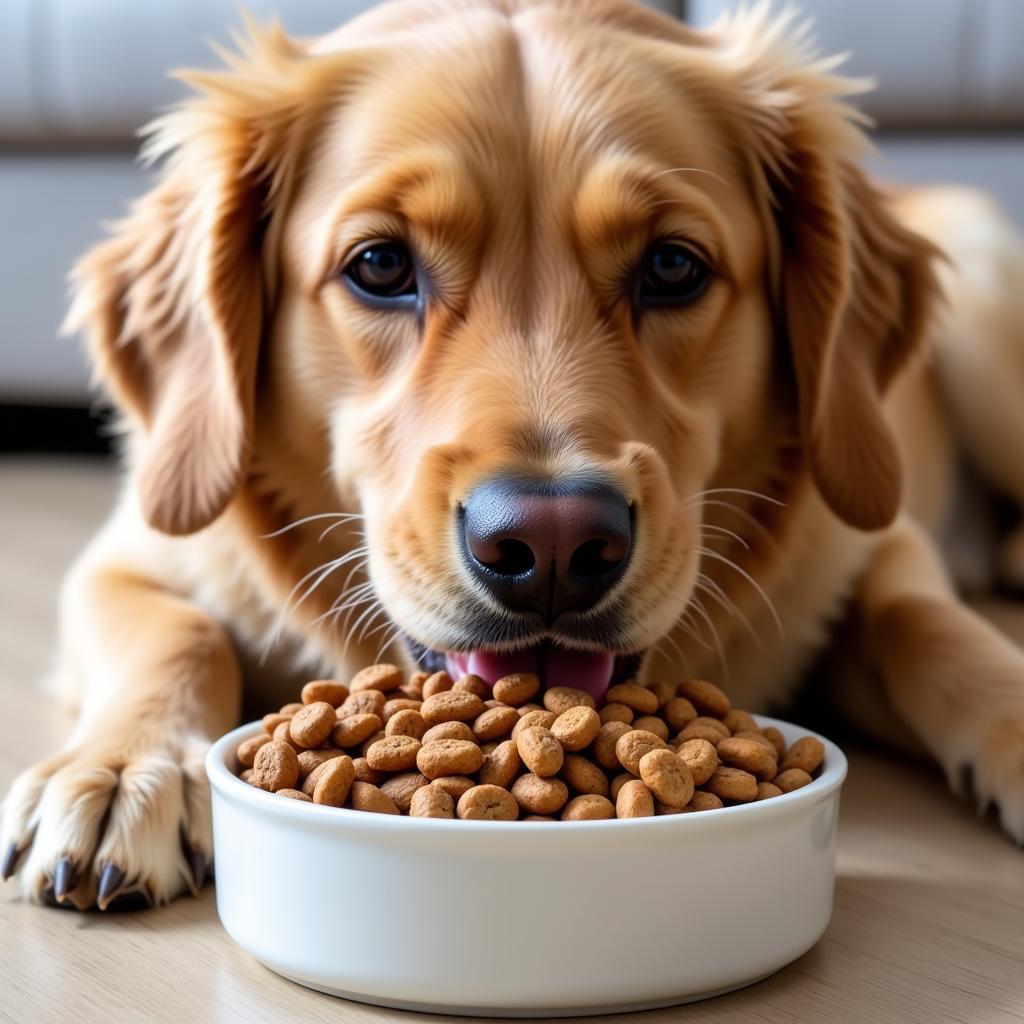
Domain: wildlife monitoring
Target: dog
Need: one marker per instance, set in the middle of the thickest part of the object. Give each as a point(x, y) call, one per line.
point(525, 334)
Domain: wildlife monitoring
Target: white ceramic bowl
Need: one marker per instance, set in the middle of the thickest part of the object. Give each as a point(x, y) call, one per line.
point(519, 918)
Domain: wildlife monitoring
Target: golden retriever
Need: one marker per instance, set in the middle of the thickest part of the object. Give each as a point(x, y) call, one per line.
point(505, 333)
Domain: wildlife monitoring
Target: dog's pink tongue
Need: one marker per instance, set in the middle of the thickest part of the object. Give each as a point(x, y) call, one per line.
point(585, 670)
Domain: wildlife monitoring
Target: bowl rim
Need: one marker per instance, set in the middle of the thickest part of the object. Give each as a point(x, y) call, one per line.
point(231, 787)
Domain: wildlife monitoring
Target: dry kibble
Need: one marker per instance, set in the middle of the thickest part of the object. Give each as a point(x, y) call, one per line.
point(634, 800)
point(328, 690)
point(495, 723)
point(431, 802)
point(603, 747)
point(787, 781)
point(273, 720)
point(576, 727)
point(407, 722)
point(632, 746)
point(707, 698)
point(312, 724)
point(290, 709)
point(335, 779)
point(732, 784)
point(501, 765)
point(634, 696)
point(487, 803)
point(449, 757)
point(451, 706)
point(309, 760)
point(415, 684)
point(276, 766)
point(366, 702)
point(749, 755)
point(294, 794)
point(704, 728)
point(246, 752)
point(652, 723)
point(588, 807)
point(539, 795)
point(377, 677)
point(806, 754)
point(283, 734)
point(700, 757)
point(678, 713)
point(540, 751)
point(487, 748)
point(561, 698)
point(472, 684)
point(775, 738)
point(516, 689)
point(396, 704)
point(366, 797)
point(454, 785)
point(439, 682)
point(663, 692)
point(542, 717)
point(393, 754)
point(618, 782)
point(355, 729)
point(766, 790)
point(616, 713)
point(538, 817)
point(757, 737)
point(364, 773)
point(740, 721)
point(449, 731)
point(701, 801)
point(667, 777)
point(402, 788)
point(246, 776)
point(525, 709)
point(584, 776)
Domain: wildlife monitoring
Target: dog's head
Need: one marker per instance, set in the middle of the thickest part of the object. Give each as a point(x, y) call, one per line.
point(527, 281)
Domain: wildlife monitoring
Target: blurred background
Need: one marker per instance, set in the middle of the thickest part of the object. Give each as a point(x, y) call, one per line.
point(78, 78)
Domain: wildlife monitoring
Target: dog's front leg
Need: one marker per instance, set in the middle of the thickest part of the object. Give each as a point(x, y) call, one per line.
point(125, 806)
point(956, 680)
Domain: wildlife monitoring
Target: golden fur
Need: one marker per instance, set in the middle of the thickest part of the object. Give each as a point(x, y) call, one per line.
point(788, 440)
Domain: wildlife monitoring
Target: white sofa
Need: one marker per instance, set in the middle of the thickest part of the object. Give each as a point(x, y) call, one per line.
point(78, 77)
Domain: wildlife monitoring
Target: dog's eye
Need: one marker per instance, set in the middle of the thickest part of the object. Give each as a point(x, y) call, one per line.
point(671, 274)
point(384, 271)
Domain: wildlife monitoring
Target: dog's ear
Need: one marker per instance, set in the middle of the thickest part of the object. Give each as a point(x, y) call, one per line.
point(853, 287)
point(173, 303)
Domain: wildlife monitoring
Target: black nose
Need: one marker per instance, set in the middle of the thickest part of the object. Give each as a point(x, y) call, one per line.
point(546, 546)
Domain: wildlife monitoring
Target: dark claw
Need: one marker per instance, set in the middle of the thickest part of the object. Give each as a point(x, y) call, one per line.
point(129, 902)
point(111, 880)
point(65, 878)
point(199, 865)
point(10, 861)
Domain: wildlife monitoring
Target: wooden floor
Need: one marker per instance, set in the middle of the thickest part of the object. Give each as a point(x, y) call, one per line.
point(928, 926)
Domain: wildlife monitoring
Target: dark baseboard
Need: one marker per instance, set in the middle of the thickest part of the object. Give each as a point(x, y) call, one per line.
point(54, 429)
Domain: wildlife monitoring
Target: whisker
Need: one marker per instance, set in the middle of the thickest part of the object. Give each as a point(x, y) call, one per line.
point(344, 516)
point(708, 586)
point(699, 608)
point(729, 533)
point(750, 579)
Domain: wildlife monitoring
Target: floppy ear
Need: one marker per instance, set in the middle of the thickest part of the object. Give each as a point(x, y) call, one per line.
point(173, 303)
point(854, 287)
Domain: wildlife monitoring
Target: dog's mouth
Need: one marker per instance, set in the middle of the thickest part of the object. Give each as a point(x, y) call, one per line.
point(592, 671)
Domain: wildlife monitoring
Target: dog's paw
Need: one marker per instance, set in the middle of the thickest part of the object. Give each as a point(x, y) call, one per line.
point(97, 822)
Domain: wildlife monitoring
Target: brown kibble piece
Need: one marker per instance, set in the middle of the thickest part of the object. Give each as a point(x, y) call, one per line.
point(652, 723)
point(700, 757)
point(451, 706)
point(454, 785)
point(584, 776)
point(540, 795)
point(561, 698)
point(757, 737)
point(740, 721)
point(806, 753)
point(402, 788)
point(290, 709)
point(309, 760)
point(328, 690)
point(312, 724)
point(678, 713)
point(283, 734)
point(732, 784)
point(704, 728)
point(589, 807)
point(495, 723)
point(381, 677)
point(749, 755)
point(487, 803)
point(766, 790)
point(276, 766)
point(246, 752)
point(407, 722)
point(415, 682)
point(787, 781)
point(393, 754)
point(439, 682)
point(355, 729)
point(707, 698)
point(366, 797)
point(634, 696)
point(449, 757)
point(516, 689)
point(541, 717)
point(632, 746)
point(540, 751)
point(366, 702)
point(618, 782)
point(701, 801)
point(471, 683)
point(449, 731)
point(603, 747)
point(273, 720)
point(576, 727)
point(501, 765)
point(431, 802)
point(294, 794)
point(667, 777)
point(634, 800)
point(616, 713)
point(662, 692)
point(395, 704)
point(247, 775)
point(335, 779)
point(364, 773)
point(776, 739)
